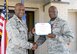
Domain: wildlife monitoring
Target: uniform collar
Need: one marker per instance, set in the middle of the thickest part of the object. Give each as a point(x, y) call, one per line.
point(53, 21)
point(16, 18)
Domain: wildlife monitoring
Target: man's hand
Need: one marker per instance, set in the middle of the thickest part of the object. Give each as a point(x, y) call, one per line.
point(33, 31)
point(35, 46)
point(51, 36)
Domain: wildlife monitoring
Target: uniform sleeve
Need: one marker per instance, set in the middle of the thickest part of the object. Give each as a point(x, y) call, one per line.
point(66, 35)
point(41, 40)
point(13, 37)
point(30, 35)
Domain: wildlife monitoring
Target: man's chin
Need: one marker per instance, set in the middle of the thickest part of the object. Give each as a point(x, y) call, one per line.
point(20, 16)
point(53, 18)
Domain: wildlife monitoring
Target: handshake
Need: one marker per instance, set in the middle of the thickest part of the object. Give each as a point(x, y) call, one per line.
point(35, 46)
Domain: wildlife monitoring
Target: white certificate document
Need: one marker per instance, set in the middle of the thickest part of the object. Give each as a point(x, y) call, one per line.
point(42, 28)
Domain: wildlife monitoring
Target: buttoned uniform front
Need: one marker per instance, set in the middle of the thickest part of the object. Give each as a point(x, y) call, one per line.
point(59, 44)
point(17, 37)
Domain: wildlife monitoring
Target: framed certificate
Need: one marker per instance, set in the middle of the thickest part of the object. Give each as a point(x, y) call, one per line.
point(42, 28)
